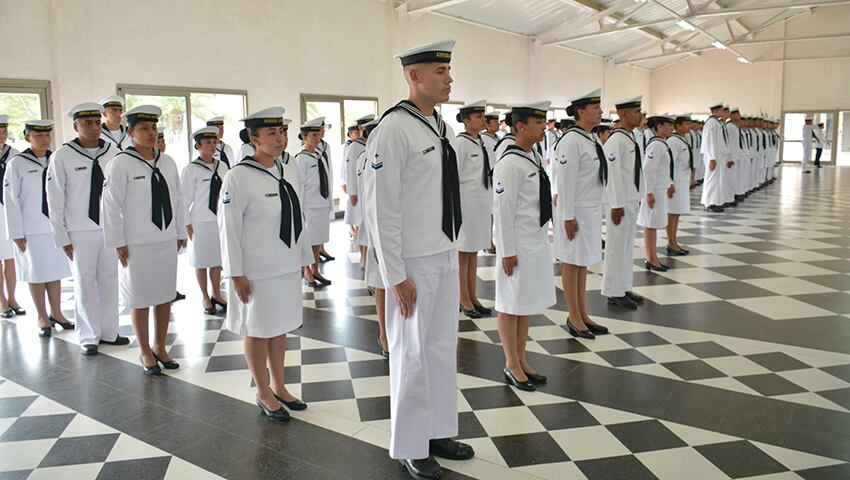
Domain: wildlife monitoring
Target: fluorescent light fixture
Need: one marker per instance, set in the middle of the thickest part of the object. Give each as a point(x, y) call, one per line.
point(685, 25)
point(718, 45)
point(640, 1)
point(743, 60)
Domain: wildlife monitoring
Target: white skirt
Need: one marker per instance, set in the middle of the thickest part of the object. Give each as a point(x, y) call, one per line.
point(205, 248)
point(681, 202)
point(42, 261)
point(150, 277)
point(585, 249)
point(273, 309)
point(7, 248)
point(530, 289)
point(654, 217)
point(373, 272)
point(318, 225)
point(353, 214)
point(475, 231)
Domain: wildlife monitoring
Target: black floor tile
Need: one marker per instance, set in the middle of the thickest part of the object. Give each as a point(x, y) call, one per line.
point(838, 281)
point(706, 350)
point(777, 361)
point(226, 363)
point(191, 350)
point(645, 436)
point(16, 475)
point(529, 449)
point(732, 290)
point(15, 406)
point(170, 338)
point(141, 469)
point(693, 370)
point(491, 397)
point(563, 345)
point(558, 416)
point(325, 391)
point(369, 368)
point(642, 339)
point(753, 258)
point(36, 428)
point(838, 302)
point(322, 355)
point(740, 459)
point(228, 336)
point(840, 396)
point(841, 266)
point(376, 408)
point(840, 371)
point(467, 326)
point(833, 472)
point(770, 384)
point(625, 358)
point(78, 450)
point(469, 426)
point(363, 310)
point(650, 279)
point(626, 467)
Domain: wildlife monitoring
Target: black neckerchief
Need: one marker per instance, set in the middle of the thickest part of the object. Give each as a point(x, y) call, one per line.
point(6, 151)
point(30, 155)
point(544, 193)
point(223, 156)
point(215, 182)
point(486, 175)
point(669, 152)
point(638, 165)
point(600, 153)
point(451, 214)
point(690, 151)
point(290, 207)
point(323, 172)
point(161, 213)
point(96, 178)
point(723, 130)
point(108, 134)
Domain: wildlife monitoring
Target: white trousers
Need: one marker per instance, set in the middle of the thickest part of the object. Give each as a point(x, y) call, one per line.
point(711, 187)
point(95, 271)
point(728, 181)
point(423, 357)
point(617, 276)
point(807, 156)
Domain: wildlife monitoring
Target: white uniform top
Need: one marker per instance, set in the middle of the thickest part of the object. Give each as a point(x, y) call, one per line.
point(126, 204)
point(6, 156)
point(577, 172)
point(640, 138)
point(516, 208)
point(22, 193)
point(681, 155)
point(324, 150)
point(808, 135)
point(624, 164)
point(246, 150)
point(118, 138)
point(736, 143)
point(231, 159)
point(249, 223)
point(69, 188)
point(470, 168)
point(656, 166)
point(343, 173)
point(715, 141)
point(490, 141)
point(502, 145)
point(549, 140)
point(308, 174)
point(820, 138)
point(195, 188)
point(352, 153)
point(402, 192)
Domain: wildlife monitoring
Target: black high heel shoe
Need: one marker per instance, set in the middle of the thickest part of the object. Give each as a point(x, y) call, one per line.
point(470, 313)
point(19, 311)
point(313, 284)
point(482, 309)
point(676, 253)
point(525, 386)
point(323, 281)
point(211, 310)
point(536, 378)
point(597, 329)
point(279, 414)
point(653, 268)
point(326, 257)
point(64, 325)
point(153, 370)
point(294, 405)
point(220, 304)
point(579, 333)
point(169, 365)
point(45, 332)
point(383, 352)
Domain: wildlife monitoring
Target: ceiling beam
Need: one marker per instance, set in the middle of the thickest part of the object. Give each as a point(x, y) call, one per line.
point(587, 19)
point(592, 7)
point(697, 27)
point(424, 6)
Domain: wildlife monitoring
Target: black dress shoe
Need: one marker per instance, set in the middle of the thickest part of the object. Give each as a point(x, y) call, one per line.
point(169, 365)
point(279, 414)
point(19, 311)
point(45, 331)
point(714, 209)
point(88, 349)
point(653, 268)
point(64, 325)
point(635, 297)
point(152, 371)
point(326, 257)
point(597, 329)
point(424, 469)
point(294, 405)
point(179, 296)
point(313, 284)
point(483, 310)
point(119, 340)
point(676, 253)
point(536, 378)
point(223, 305)
point(526, 386)
point(470, 313)
point(622, 302)
point(491, 251)
point(450, 449)
point(323, 281)
point(7, 314)
point(579, 333)
point(210, 310)
point(383, 352)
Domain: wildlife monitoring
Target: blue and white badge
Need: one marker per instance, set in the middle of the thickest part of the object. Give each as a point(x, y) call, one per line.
point(500, 189)
point(225, 198)
point(376, 164)
point(611, 157)
point(562, 159)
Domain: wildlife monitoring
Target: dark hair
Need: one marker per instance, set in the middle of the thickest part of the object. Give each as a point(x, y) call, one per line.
point(368, 130)
point(133, 121)
point(681, 120)
point(509, 121)
point(655, 122)
point(517, 118)
point(571, 111)
point(244, 136)
point(599, 129)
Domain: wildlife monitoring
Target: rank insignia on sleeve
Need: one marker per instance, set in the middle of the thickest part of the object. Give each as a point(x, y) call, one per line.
point(500, 189)
point(376, 164)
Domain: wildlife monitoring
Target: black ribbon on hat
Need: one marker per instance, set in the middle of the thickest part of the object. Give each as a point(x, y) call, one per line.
point(290, 207)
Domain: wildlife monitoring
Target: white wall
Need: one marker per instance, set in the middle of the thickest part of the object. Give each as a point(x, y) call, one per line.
point(277, 50)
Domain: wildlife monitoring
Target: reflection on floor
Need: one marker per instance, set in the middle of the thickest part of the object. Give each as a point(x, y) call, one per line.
point(738, 366)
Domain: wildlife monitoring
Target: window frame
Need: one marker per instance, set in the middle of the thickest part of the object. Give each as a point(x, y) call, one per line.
point(304, 98)
point(42, 88)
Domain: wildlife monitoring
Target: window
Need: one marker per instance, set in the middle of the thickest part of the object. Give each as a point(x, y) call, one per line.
point(449, 111)
point(792, 135)
point(24, 100)
point(185, 110)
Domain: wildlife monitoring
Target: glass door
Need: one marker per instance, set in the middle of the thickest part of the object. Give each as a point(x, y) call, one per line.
point(843, 139)
point(792, 135)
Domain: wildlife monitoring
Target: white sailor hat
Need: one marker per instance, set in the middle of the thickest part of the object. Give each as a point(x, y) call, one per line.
point(725, 106)
point(479, 106)
point(267, 117)
point(372, 123)
point(206, 132)
point(715, 106)
point(113, 101)
point(215, 121)
point(491, 115)
point(658, 119)
point(534, 109)
point(160, 131)
point(142, 113)
point(588, 98)
point(364, 120)
point(314, 125)
point(633, 102)
point(734, 109)
point(85, 110)
point(38, 126)
point(4, 120)
point(437, 52)
point(286, 122)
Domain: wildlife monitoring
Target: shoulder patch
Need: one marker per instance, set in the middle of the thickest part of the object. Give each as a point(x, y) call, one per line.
point(499, 189)
point(562, 159)
point(611, 157)
point(377, 164)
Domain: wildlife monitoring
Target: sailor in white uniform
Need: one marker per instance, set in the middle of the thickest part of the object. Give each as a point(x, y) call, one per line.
point(476, 200)
point(715, 154)
point(200, 185)
point(683, 178)
point(324, 150)
point(658, 172)
point(808, 141)
point(490, 138)
point(353, 213)
point(736, 148)
point(315, 186)
point(9, 306)
point(143, 221)
point(112, 129)
point(506, 141)
point(820, 143)
point(352, 133)
point(581, 171)
point(622, 197)
point(696, 146)
point(74, 189)
point(39, 261)
point(223, 152)
point(246, 150)
point(264, 245)
point(413, 212)
point(522, 209)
